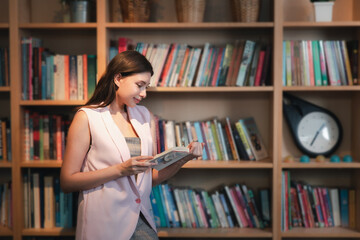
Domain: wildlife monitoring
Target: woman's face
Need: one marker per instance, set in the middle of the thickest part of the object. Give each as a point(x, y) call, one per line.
point(132, 89)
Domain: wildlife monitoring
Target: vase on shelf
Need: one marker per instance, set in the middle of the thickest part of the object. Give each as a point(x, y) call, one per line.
point(323, 11)
point(245, 10)
point(79, 11)
point(190, 10)
point(135, 10)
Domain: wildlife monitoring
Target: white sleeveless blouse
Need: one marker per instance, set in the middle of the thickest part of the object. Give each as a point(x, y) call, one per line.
point(111, 211)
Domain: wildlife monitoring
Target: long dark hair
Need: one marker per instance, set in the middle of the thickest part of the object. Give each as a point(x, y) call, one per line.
point(125, 63)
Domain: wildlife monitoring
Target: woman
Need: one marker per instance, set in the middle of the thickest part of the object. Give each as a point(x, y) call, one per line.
point(109, 143)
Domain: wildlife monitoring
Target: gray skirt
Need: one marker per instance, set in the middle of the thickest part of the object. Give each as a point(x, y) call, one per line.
point(143, 230)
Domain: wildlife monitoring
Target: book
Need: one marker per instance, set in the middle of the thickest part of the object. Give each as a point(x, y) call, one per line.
point(253, 136)
point(353, 49)
point(352, 208)
point(91, 74)
point(170, 156)
point(245, 62)
point(324, 76)
point(49, 202)
point(265, 206)
point(229, 48)
point(245, 141)
point(344, 206)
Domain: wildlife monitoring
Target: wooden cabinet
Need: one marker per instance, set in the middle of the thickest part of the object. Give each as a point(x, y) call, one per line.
point(284, 20)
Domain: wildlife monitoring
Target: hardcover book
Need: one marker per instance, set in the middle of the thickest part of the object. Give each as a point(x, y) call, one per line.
point(170, 156)
point(253, 136)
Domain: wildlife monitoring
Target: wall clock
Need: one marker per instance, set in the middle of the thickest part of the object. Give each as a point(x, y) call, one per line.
point(316, 130)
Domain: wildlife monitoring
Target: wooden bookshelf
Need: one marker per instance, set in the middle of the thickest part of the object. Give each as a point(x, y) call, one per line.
point(333, 232)
point(4, 89)
point(41, 164)
point(214, 233)
point(52, 102)
point(176, 25)
point(49, 232)
point(58, 25)
point(289, 20)
point(231, 164)
point(5, 232)
point(5, 164)
point(211, 89)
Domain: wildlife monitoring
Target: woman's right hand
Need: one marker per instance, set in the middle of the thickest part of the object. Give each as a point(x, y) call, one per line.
point(135, 165)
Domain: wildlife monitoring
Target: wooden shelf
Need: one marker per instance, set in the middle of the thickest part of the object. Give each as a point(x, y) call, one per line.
point(321, 88)
point(48, 232)
point(214, 232)
point(5, 164)
point(41, 164)
point(52, 102)
point(4, 89)
point(326, 164)
point(330, 232)
point(5, 232)
point(233, 164)
point(332, 24)
point(211, 89)
point(176, 25)
point(58, 25)
point(198, 164)
point(4, 25)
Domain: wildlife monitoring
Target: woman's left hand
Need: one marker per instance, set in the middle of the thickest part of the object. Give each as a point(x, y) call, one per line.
point(196, 148)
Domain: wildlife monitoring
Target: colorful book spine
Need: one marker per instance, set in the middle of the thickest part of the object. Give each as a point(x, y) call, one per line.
point(316, 61)
point(245, 62)
point(244, 141)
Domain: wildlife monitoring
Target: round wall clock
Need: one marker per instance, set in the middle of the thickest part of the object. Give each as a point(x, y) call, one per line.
point(316, 130)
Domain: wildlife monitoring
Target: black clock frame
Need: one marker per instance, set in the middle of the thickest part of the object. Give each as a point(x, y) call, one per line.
point(294, 109)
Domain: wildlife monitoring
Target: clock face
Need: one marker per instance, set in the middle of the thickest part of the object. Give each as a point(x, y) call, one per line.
point(318, 133)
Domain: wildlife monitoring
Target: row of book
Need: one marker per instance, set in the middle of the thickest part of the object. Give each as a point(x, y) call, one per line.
point(45, 136)
point(45, 204)
point(4, 67)
point(5, 140)
point(5, 205)
point(320, 63)
point(223, 141)
point(50, 76)
point(242, 63)
point(228, 207)
point(305, 205)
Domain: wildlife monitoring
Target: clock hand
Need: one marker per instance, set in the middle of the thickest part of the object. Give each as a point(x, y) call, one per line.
point(317, 133)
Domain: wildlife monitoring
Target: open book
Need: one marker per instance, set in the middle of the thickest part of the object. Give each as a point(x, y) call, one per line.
point(170, 156)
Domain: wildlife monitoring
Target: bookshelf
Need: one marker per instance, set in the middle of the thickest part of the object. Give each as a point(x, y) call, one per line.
point(264, 103)
point(339, 99)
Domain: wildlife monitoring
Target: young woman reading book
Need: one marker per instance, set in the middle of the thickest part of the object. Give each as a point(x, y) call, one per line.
point(109, 143)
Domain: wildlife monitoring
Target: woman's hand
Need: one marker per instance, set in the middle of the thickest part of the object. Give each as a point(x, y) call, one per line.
point(135, 165)
point(196, 148)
